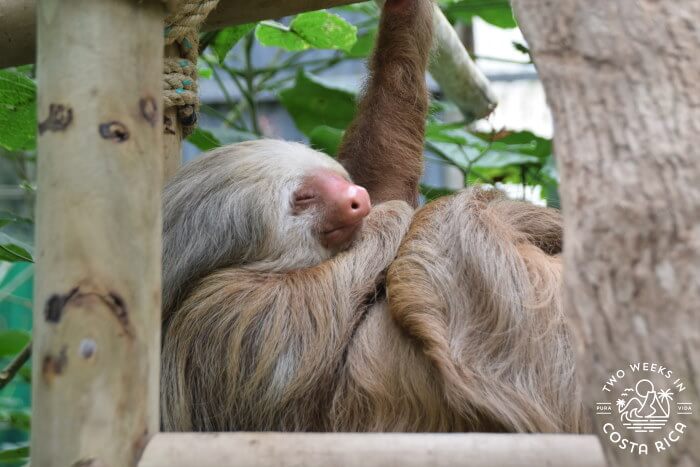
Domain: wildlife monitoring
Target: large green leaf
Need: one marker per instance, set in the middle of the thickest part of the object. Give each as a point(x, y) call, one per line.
point(17, 111)
point(313, 102)
point(324, 30)
point(326, 139)
point(274, 34)
point(317, 29)
point(229, 37)
point(496, 12)
point(12, 341)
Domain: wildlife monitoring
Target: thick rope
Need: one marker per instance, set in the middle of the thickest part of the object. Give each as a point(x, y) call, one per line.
point(180, 74)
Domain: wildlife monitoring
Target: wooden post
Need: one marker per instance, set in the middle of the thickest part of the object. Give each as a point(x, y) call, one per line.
point(97, 297)
point(622, 81)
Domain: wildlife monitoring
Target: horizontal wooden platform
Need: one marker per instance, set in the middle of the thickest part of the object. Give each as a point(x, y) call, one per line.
point(371, 450)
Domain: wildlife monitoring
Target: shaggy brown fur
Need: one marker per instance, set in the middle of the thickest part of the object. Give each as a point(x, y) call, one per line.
point(472, 338)
point(446, 320)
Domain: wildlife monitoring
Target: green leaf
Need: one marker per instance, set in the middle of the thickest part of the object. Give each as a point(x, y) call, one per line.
point(495, 12)
point(496, 159)
point(12, 341)
point(364, 44)
point(313, 102)
point(18, 419)
point(204, 140)
point(274, 34)
point(520, 47)
point(526, 142)
point(430, 192)
point(9, 218)
point(16, 88)
point(17, 111)
point(15, 454)
point(453, 133)
point(204, 72)
point(229, 37)
point(14, 253)
point(326, 139)
point(324, 30)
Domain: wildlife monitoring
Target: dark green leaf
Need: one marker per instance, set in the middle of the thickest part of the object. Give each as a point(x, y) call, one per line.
point(520, 47)
point(12, 341)
point(229, 37)
point(14, 454)
point(9, 218)
point(326, 139)
point(496, 12)
point(17, 419)
point(524, 142)
point(14, 253)
point(274, 34)
point(313, 102)
point(26, 373)
point(204, 140)
point(324, 30)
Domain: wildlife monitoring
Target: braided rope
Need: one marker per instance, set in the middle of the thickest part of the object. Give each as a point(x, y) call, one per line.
point(180, 74)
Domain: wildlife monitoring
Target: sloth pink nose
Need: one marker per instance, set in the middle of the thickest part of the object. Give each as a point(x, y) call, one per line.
point(346, 204)
point(352, 204)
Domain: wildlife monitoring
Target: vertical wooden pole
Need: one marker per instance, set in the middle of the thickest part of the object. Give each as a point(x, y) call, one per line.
point(97, 297)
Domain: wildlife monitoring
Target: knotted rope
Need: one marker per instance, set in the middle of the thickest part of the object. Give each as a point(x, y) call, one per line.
point(180, 74)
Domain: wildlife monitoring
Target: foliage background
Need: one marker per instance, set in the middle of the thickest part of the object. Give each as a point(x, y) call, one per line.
point(320, 109)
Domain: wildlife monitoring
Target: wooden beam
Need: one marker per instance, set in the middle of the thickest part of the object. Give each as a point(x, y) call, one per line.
point(18, 22)
point(369, 450)
point(97, 292)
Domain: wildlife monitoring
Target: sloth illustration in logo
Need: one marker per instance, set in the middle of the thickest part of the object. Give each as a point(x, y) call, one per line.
point(647, 409)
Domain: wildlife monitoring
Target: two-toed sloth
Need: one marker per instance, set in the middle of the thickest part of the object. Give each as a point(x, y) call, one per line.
point(291, 303)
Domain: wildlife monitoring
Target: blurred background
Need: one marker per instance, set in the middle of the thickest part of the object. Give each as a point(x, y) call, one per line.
point(265, 80)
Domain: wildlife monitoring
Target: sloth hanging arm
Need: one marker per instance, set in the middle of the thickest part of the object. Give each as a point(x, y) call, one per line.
point(383, 147)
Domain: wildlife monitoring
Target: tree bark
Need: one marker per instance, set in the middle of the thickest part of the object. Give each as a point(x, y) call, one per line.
point(622, 81)
point(97, 296)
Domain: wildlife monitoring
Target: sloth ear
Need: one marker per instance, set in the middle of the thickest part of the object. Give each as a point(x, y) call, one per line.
point(485, 308)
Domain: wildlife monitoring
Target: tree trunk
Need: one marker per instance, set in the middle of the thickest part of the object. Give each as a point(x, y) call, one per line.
point(97, 297)
point(622, 80)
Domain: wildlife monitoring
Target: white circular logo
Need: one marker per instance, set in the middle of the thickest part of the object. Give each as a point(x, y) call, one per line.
point(643, 408)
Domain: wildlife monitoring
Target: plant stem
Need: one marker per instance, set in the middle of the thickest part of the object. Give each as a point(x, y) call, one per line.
point(249, 92)
point(11, 370)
